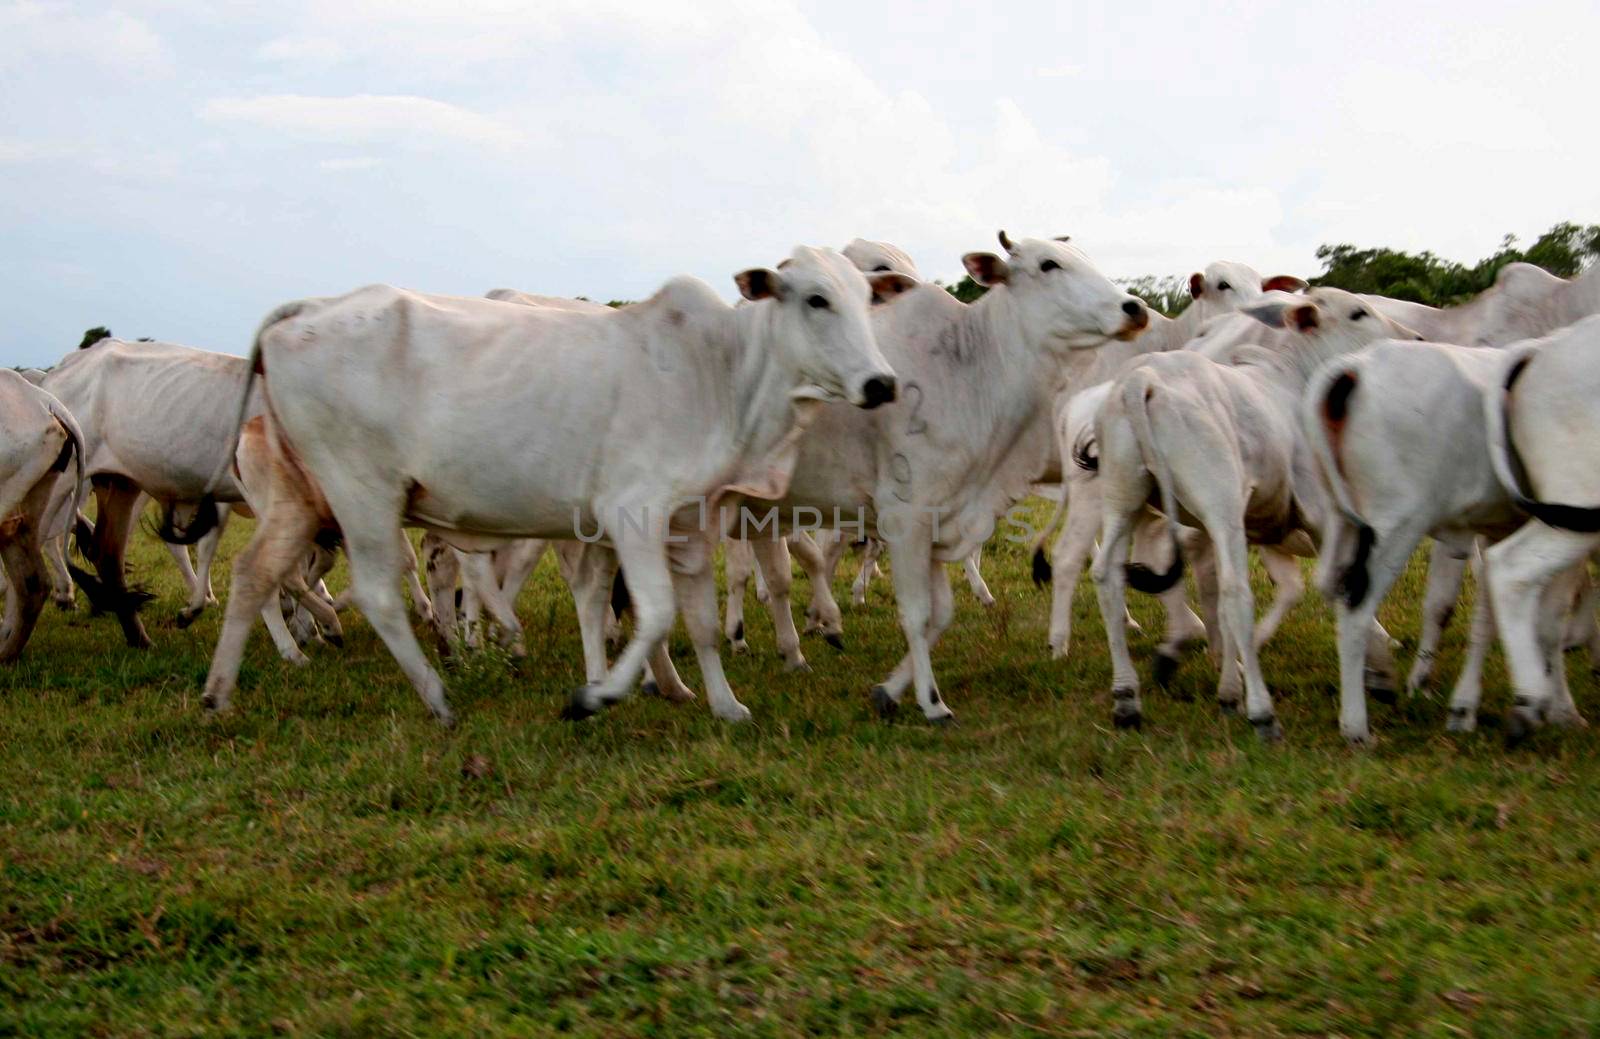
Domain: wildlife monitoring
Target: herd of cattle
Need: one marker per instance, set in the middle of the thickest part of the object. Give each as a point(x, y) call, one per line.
point(635, 441)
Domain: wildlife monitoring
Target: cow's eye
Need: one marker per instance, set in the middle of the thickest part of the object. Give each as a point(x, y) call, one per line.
point(882, 268)
point(1223, 286)
point(817, 303)
point(1358, 315)
point(1048, 266)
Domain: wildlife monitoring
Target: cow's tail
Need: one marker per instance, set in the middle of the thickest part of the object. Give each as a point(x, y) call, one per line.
point(1137, 391)
point(1042, 572)
point(205, 514)
point(1327, 408)
point(1508, 467)
point(74, 446)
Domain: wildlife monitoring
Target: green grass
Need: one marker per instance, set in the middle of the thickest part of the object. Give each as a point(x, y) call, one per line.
point(321, 863)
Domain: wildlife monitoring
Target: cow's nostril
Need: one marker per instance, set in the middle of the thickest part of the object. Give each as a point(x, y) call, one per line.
point(1133, 308)
point(877, 390)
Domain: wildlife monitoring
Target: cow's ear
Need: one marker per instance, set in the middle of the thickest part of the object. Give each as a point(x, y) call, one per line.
point(759, 283)
point(986, 269)
point(1283, 283)
point(889, 285)
point(1197, 285)
point(1280, 313)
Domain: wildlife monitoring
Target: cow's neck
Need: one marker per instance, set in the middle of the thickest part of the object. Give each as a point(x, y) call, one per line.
point(764, 422)
point(1018, 377)
point(1169, 333)
point(1577, 299)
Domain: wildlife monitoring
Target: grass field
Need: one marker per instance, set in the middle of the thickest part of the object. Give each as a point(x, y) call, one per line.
point(328, 861)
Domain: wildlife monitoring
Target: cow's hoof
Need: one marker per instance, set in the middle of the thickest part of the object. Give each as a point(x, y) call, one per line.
point(737, 714)
point(1267, 728)
point(1125, 713)
point(216, 703)
point(1228, 707)
point(1521, 721)
point(577, 707)
point(66, 605)
point(1165, 668)
point(834, 639)
point(1462, 719)
point(883, 703)
point(650, 688)
point(739, 648)
point(186, 618)
point(794, 666)
point(943, 721)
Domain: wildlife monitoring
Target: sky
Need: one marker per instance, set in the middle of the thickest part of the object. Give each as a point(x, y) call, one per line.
point(176, 169)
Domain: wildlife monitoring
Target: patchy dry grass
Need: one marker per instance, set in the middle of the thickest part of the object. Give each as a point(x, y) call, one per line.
point(327, 861)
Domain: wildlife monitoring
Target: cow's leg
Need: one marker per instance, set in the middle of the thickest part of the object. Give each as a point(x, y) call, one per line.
point(1068, 556)
point(972, 567)
point(198, 577)
point(1152, 545)
point(444, 574)
point(114, 520)
point(471, 603)
point(772, 560)
point(695, 589)
point(1236, 605)
point(1110, 584)
point(822, 615)
point(922, 592)
point(420, 600)
point(740, 563)
point(1289, 588)
point(515, 564)
point(55, 558)
point(282, 639)
point(942, 611)
point(1583, 628)
point(1468, 692)
point(869, 568)
point(281, 540)
point(643, 557)
point(478, 569)
point(25, 572)
point(1384, 562)
point(372, 538)
point(1555, 607)
point(1447, 561)
point(311, 594)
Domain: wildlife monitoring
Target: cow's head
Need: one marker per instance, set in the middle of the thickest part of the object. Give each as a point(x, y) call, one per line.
point(1225, 286)
point(819, 318)
point(872, 257)
point(1059, 297)
point(1335, 320)
point(1519, 305)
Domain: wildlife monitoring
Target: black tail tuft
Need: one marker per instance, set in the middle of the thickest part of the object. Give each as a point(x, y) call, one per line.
point(83, 535)
point(204, 522)
point(107, 600)
point(620, 600)
point(1354, 582)
point(1576, 518)
point(1042, 573)
point(329, 538)
point(1143, 579)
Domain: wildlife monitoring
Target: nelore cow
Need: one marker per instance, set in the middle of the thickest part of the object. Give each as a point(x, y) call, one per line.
point(1544, 443)
point(481, 418)
point(39, 438)
point(931, 474)
point(1218, 447)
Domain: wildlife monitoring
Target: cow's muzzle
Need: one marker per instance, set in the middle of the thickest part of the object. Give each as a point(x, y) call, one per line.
point(877, 390)
point(1137, 319)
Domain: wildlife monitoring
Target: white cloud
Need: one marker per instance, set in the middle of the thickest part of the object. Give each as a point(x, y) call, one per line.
point(32, 32)
point(304, 50)
point(364, 118)
point(354, 162)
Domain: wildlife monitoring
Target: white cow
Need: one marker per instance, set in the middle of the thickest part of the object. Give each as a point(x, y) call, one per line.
point(38, 437)
point(1217, 447)
point(158, 420)
point(1398, 436)
point(1527, 301)
point(484, 418)
point(1217, 291)
point(1543, 437)
point(967, 438)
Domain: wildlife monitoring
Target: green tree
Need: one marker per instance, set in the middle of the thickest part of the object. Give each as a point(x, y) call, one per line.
point(93, 336)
